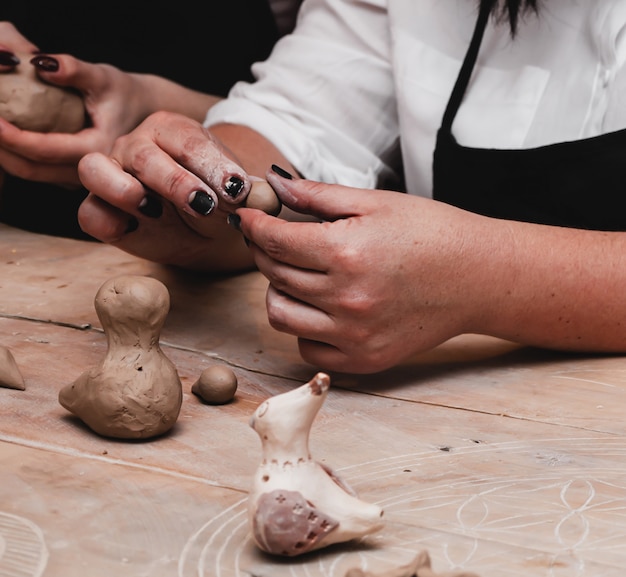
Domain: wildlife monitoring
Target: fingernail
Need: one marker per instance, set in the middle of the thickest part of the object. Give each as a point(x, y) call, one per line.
point(281, 172)
point(150, 206)
point(45, 63)
point(201, 202)
point(233, 186)
point(234, 220)
point(133, 225)
point(8, 58)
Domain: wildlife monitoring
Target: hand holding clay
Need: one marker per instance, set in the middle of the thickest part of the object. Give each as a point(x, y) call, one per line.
point(32, 104)
point(10, 375)
point(135, 392)
point(296, 504)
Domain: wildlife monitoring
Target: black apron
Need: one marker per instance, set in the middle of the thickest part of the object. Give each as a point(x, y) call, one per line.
point(579, 184)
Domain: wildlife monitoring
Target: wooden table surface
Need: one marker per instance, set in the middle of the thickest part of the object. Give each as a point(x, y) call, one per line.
point(500, 460)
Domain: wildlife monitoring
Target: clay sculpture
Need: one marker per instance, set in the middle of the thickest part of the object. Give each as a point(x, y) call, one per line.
point(216, 385)
point(297, 504)
point(263, 197)
point(10, 375)
point(32, 104)
point(135, 392)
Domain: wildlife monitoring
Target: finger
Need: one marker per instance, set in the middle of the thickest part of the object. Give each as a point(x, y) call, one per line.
point(295, 317)
point(8, 59)
point(103, 221)
point(103, 177)
point(325, 201)
point(304, 245)
point(45, 148)
point(327, 356)
point(196, 160)
point(308, 286)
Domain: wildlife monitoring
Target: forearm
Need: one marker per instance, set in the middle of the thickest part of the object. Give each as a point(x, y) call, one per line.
point(553, 287)
point(252, 151)
point(163, 94)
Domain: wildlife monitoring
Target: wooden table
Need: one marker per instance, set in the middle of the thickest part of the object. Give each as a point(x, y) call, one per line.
point(497, 459)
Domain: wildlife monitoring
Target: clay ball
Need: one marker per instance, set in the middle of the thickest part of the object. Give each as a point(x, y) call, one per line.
point(216, 385)
point(263, 197)
point(32, 104)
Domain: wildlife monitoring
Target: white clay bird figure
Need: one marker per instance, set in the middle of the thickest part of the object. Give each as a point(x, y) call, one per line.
point(296, 504)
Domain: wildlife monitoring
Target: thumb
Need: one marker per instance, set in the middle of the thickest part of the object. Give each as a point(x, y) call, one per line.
point(325, 201)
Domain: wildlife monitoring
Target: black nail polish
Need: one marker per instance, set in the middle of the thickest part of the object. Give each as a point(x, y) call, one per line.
point(233, 186)
point(202, 202)
point(150, 207)
point(234, 220)
point(8, 58)
point(281, 172)
point(45, 63)
point(132, 226)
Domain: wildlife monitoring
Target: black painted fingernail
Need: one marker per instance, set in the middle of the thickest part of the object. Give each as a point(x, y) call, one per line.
point(234, 220)
point(45, 63)
point(150, 206)
point(132, 226)
point(202, 202)
point(8, 58)
point(233, 186)
point(281, 172)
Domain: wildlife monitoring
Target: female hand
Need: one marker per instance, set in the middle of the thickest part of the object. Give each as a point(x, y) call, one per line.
point(384, 275)
point(113, 103)
point(164, 194)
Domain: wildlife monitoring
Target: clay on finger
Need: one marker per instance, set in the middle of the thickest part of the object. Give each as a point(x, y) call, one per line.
point(216, 385)
point(135, 391)
point(32, 104)
point(10, 374)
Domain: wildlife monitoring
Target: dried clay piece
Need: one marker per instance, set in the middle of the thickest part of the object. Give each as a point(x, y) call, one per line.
point(135, 392)
point(10, 375)
point(296, 504)
point(263, 197)
point(216, 385)
point(32, 104)
point(419, 567)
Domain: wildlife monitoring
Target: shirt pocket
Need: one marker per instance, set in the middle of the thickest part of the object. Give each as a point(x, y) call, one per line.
point(497, 110)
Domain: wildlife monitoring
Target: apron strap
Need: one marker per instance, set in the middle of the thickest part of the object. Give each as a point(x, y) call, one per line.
point(465, 73)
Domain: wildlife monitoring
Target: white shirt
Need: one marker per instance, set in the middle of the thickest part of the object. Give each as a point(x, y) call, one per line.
point(358, 76)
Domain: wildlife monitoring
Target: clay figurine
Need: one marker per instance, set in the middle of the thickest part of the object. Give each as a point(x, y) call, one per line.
point(216, 385)
point(32, 104)
point(135, 392)
point(296, 504)
point(10, 375)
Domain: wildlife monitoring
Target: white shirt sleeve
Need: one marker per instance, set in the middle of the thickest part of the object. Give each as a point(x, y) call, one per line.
point(325, 97)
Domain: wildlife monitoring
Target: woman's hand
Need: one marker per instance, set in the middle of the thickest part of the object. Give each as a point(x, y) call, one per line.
point(115, 103)
point(385, 275)
point(164, 194)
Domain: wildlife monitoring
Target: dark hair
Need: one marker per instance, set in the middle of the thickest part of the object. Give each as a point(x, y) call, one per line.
point(510, 10)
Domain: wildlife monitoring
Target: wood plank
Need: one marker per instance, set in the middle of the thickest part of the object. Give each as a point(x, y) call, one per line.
point(498, 459)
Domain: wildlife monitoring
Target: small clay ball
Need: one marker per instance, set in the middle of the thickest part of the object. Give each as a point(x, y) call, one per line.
point(32, 104)
point(216, 385)
point(263, 197)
